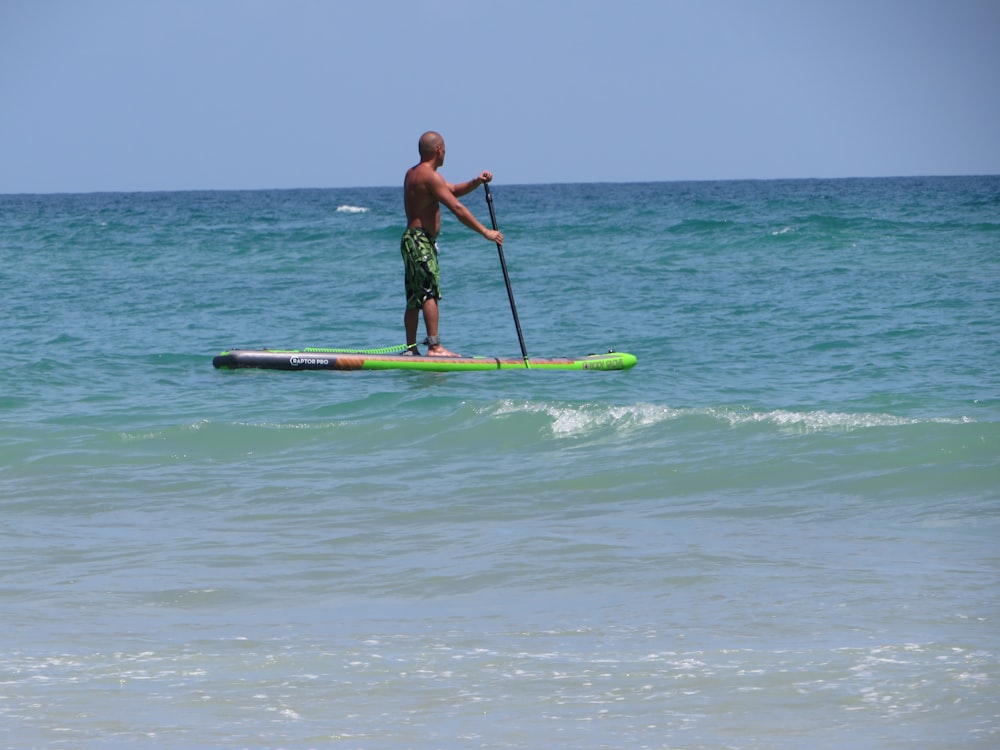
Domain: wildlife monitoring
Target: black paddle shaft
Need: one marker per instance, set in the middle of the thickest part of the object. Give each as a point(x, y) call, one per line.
point(506, 276)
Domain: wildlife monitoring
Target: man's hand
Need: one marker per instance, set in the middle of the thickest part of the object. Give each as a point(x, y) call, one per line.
point(494, 235)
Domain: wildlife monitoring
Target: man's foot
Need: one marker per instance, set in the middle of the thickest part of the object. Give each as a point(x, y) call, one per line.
point(410, 351)
point(439, 351)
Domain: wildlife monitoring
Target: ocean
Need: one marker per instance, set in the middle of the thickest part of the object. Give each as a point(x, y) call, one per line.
point(780, 530)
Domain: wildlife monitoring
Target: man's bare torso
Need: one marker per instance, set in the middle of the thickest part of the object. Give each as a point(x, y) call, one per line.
point(422, 208)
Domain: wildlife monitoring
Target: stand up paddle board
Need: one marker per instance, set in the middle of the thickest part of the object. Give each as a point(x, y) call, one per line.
point(331, 359)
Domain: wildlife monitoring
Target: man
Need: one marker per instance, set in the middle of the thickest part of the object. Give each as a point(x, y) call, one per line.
point(424, 190)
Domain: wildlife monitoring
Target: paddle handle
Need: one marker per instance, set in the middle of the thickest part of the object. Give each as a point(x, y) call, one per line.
point(506, 276)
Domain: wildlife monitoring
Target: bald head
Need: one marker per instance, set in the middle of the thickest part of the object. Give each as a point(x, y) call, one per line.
point(429, 143)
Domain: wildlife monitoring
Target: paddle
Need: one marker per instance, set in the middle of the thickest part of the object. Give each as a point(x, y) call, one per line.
point(506, 276)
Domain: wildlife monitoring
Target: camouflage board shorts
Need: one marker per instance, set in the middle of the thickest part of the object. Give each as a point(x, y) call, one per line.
point(420, 260)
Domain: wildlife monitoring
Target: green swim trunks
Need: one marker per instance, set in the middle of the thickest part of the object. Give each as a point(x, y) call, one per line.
point(420, 260)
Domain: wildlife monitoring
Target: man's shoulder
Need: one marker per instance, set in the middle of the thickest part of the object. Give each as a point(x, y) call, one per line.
point(423, 171)
point(423, 176)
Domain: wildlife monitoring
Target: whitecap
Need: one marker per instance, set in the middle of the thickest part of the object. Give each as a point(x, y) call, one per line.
point(569, 419)
point(574, 419)
point(821, 420)
point(351, 209)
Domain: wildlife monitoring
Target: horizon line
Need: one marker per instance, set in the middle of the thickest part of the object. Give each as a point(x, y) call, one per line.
point(513, 184)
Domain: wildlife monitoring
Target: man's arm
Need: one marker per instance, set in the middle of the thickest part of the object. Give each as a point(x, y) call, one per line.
point(447, 195)
point(464, 188)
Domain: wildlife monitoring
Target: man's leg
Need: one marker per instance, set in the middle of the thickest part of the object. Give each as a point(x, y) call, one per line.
point(431, 314)
point(410, 320)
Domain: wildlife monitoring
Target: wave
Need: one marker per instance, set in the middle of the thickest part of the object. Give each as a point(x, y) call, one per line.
point(820, 421)
point(563, 454)
point(369, 428)
point(347, 209)
point(578, 419)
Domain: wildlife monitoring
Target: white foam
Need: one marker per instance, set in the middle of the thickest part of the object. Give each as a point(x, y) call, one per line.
point(821, 420)
point(351, 209)
point(575, 419)
point(570, 419)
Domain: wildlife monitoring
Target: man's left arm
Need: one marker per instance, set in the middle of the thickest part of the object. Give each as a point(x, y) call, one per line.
point(464, 188)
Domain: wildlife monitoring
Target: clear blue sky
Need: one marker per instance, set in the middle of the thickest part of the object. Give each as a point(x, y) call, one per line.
point(218, 94)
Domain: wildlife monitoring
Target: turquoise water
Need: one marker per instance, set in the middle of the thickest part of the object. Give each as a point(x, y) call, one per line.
point(780, 530)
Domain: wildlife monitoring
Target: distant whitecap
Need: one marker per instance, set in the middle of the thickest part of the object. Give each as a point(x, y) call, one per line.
point(351, 209)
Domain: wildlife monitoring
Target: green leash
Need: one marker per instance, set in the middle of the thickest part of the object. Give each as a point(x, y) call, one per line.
point(383, 350)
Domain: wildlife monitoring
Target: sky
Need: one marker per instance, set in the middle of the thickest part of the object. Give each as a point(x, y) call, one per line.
point(139, 95)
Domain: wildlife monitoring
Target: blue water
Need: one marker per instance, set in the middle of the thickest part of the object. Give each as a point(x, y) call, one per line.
point(780, 530)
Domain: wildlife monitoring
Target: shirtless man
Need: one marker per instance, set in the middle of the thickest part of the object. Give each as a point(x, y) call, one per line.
point(424, 190)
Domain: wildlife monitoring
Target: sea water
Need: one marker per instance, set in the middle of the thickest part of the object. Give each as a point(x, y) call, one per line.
point(780, 530)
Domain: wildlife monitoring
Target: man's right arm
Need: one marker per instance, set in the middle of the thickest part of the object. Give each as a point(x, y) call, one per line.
point(444, 195)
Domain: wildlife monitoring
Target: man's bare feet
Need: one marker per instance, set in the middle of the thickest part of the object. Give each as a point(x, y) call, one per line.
point(410, 351)
point(439, 351)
